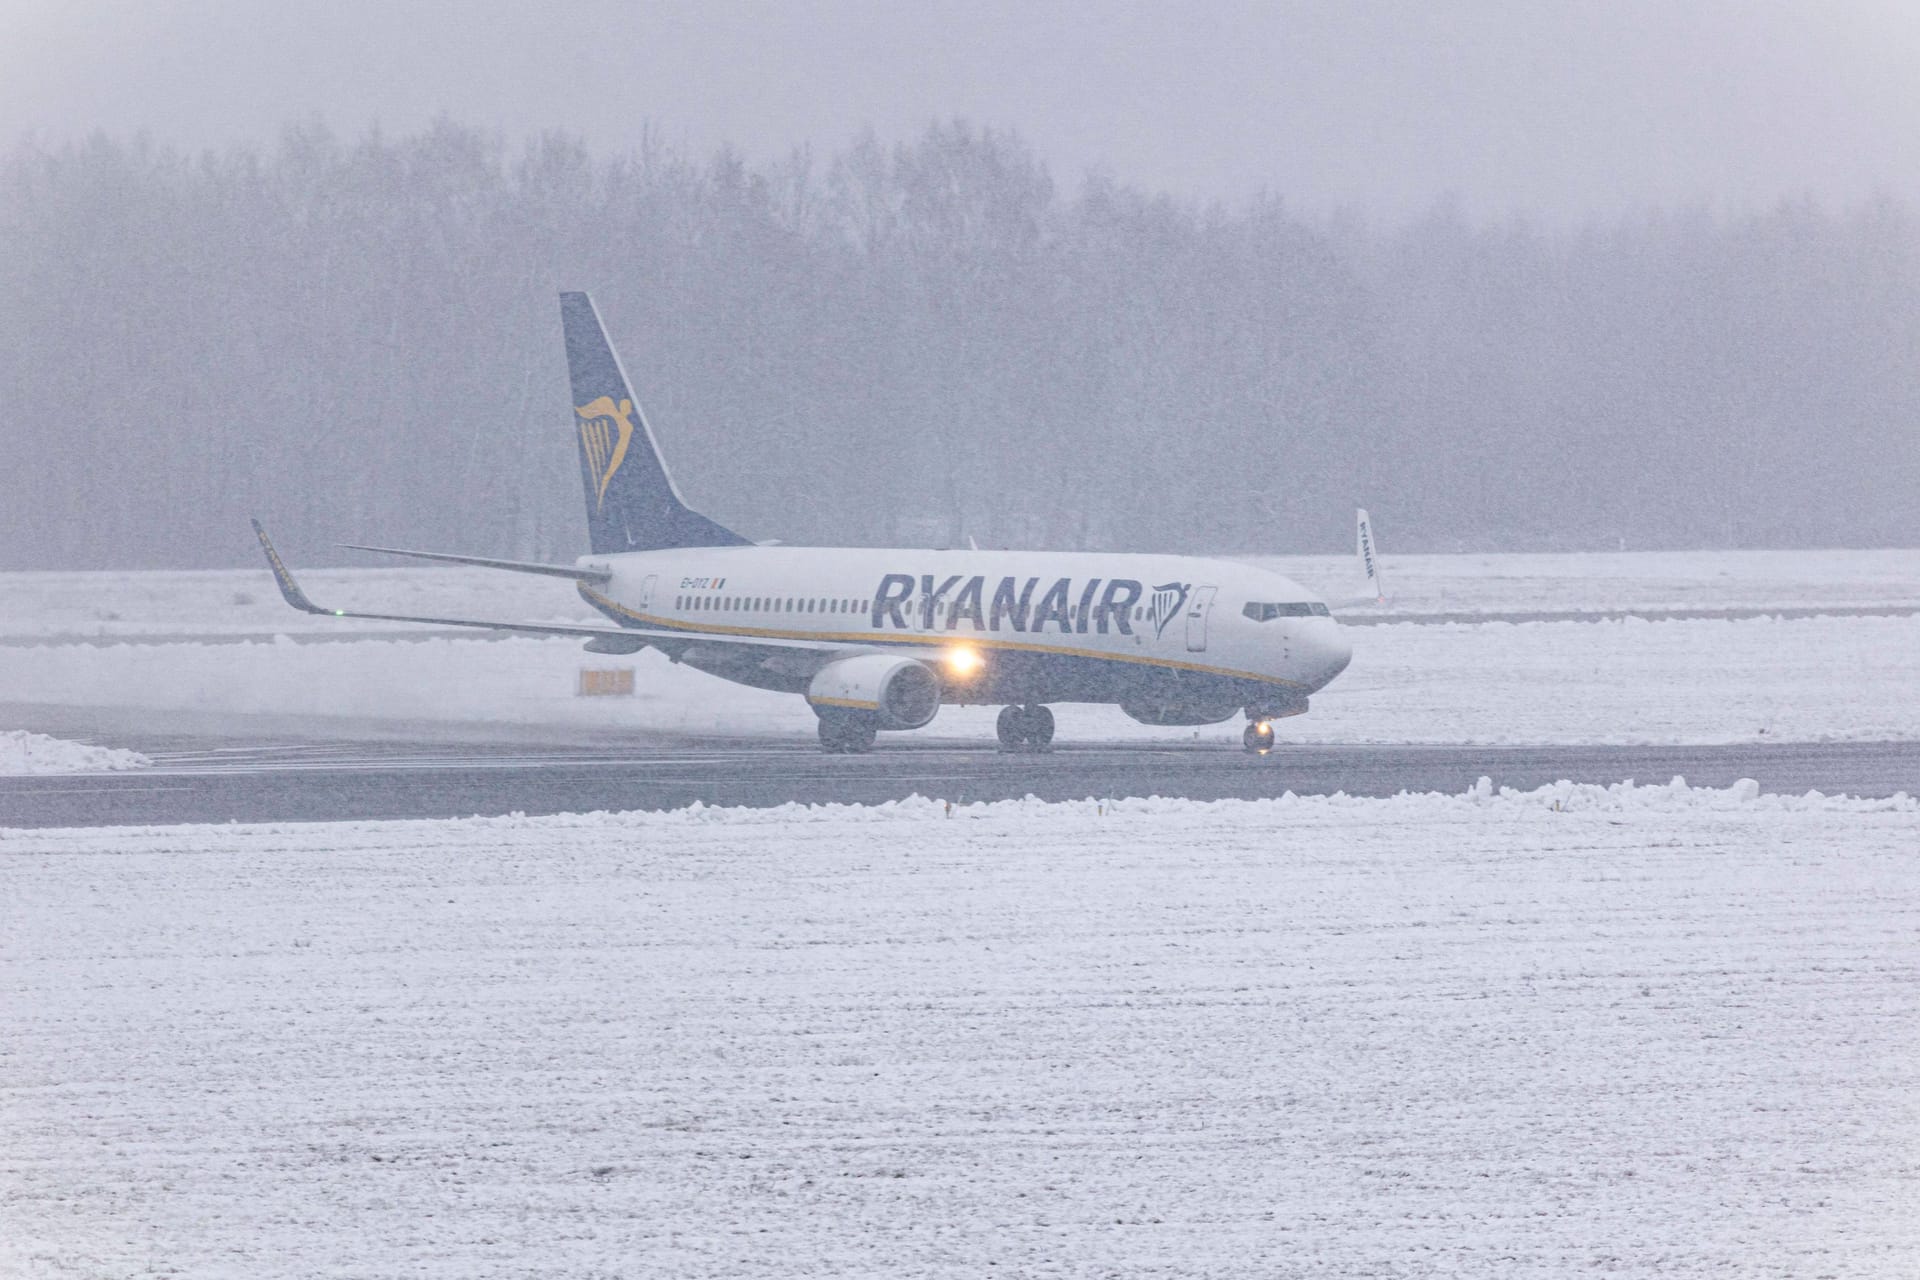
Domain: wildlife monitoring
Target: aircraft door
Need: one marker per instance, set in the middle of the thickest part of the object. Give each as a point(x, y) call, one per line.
point(1197, 610)
point(646, 591)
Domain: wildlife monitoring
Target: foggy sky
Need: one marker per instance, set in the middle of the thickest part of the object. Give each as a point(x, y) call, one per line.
point(1567, 111)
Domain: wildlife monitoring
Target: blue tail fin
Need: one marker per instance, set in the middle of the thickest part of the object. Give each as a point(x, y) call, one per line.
point(631, 502)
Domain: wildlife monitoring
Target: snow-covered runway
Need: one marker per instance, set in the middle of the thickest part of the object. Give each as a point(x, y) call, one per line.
point(1642, 1032)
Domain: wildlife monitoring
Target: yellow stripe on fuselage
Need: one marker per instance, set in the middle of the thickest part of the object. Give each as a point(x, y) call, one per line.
point(693, 630)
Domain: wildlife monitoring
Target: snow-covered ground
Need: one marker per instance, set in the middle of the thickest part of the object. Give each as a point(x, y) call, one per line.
point(1625, 681)
point(1633, 1032)
point(23, 752)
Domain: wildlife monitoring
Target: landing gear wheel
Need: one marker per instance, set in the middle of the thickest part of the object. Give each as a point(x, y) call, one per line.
point(1024, 728)
point(1259, 737)
point(842, 734)
point(1007, 727)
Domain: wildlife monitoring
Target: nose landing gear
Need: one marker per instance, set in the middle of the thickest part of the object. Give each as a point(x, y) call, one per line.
point(1258, 737)
point(1024, 728)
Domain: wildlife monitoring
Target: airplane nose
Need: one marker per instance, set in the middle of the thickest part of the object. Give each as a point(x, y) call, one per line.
point(1332, 652)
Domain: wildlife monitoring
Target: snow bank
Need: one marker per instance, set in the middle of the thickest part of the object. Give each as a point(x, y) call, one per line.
point(23, 752)
point(859, 820)
point(1559, 797)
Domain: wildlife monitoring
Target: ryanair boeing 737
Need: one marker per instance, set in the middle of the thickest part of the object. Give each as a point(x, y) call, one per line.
point(880, 639)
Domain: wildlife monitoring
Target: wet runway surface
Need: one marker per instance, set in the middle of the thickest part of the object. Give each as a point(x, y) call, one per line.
point(207, 779)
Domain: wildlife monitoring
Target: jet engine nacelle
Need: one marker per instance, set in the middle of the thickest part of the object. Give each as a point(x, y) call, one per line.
point(903, 693)
point(1180, 713)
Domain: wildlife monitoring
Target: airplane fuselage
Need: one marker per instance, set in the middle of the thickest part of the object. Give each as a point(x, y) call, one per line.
point(1183, 639)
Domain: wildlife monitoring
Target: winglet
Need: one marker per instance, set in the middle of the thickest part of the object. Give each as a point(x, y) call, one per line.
point(284, 576)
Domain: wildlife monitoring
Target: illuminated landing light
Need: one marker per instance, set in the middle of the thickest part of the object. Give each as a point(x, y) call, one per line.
point(1258, 737)
point(964, 662)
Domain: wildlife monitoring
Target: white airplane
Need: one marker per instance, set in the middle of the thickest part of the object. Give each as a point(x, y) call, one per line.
point(880, 639)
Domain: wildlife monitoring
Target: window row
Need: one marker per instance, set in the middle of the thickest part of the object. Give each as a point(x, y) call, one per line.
point(764, 604)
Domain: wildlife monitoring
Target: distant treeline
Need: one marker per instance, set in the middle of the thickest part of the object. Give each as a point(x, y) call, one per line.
point(918, 344)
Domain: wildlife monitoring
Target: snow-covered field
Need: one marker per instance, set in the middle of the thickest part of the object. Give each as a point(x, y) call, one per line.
point(1635, 1032)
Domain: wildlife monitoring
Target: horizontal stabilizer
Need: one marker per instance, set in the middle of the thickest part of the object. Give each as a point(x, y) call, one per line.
point(600, 576)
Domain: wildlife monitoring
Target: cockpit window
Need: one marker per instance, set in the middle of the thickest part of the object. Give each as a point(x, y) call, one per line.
point(1261, 612)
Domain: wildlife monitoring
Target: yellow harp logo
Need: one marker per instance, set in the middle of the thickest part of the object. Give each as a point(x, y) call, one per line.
point(605, 429)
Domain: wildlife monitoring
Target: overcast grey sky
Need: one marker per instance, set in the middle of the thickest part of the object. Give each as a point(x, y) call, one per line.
point(1566, 110)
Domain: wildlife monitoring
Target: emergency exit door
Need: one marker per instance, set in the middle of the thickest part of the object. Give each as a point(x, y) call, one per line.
point(1197, 610)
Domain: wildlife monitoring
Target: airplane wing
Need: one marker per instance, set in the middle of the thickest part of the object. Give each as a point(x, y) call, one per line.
point(617, 639)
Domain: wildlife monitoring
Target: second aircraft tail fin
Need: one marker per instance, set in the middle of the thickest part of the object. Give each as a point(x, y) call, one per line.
point(1369, 561)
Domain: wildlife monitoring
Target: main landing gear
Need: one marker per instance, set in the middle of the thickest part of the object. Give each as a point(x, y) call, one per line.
point(1024, 728)
point(1259, 737)
point(846, 732)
